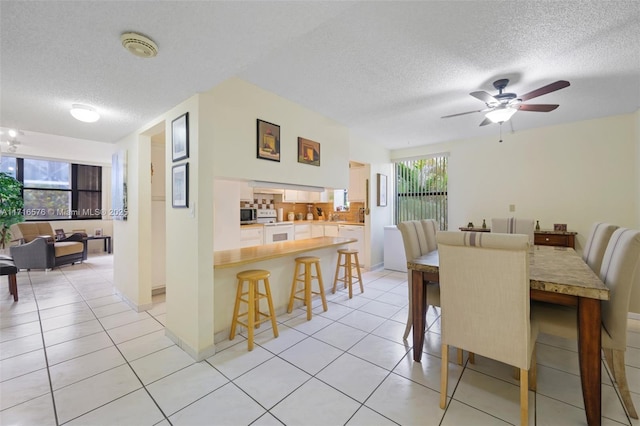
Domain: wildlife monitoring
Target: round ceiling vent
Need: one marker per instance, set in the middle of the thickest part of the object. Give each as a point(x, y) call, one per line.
point(139, 45)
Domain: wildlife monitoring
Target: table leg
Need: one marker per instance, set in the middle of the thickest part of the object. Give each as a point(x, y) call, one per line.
point(418, 309)
point(107, 243)
point(589, 347)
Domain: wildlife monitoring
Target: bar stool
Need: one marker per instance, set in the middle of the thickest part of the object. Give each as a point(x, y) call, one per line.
point(348, 259)
point(253, 296)
point(305, 276)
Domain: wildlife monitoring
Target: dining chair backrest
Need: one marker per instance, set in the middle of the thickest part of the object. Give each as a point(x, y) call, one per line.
point(430, 227)
point(484, 295)
point(513, 225)
point(413, 238)
point(597, 244)
point(620, 266)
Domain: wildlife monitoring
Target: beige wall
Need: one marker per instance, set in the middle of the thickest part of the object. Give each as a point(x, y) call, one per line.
point(231, 110)
point(377, 159)
point(576, 173)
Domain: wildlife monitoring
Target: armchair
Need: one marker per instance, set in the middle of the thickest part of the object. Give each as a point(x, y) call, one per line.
point(40, 250)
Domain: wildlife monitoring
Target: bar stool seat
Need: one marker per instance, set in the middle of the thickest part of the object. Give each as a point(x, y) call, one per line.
point(305, 277)
point(252, 298)
point(348, 260)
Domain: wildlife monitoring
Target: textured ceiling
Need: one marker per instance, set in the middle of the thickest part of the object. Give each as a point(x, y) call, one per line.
point(387, 70)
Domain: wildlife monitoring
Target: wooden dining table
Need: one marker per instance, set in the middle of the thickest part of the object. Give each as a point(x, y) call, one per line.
point(557, 275)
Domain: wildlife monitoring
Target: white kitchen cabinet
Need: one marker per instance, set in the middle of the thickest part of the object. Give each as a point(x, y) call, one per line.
point(293, 196)
point(246, 192)
point(321, 197)
point(302, 231)
point(251, 236)
point(317, 230)
point(330, 230)
point(357, 177)
point(354, 231)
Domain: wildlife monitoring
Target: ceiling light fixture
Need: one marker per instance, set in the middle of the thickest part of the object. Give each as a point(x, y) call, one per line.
point(139, 45)
point(501, 114)
point(84, 113)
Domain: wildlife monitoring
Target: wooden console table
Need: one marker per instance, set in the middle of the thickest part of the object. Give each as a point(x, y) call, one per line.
point(555, 238)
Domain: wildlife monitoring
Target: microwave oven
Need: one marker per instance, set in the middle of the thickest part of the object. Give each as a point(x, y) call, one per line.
point(247, 216)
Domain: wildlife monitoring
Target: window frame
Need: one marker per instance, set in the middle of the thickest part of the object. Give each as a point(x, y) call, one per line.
point(74, 191)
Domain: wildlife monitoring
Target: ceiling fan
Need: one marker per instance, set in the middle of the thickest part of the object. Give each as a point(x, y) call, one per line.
point(502, 106)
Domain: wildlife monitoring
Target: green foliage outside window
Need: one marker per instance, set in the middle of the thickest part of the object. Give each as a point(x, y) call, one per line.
point(11, 205)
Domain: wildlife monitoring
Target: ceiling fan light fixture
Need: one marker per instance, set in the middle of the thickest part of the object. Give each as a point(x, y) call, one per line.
point(500, 115)
point(84, 113)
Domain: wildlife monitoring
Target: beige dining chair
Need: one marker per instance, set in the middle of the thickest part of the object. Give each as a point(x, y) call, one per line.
point(597, 244)
point(513, 225)
point(620, 267)
point(484, 299)
point(416, 244)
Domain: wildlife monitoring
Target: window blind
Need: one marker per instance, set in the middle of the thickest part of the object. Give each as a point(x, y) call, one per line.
point(421, 189)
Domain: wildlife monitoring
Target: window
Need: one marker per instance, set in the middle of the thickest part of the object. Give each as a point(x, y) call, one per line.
point(421, 190)
point(57, 190)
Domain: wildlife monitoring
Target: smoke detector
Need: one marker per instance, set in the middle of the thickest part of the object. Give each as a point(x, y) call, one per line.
point(139, 45)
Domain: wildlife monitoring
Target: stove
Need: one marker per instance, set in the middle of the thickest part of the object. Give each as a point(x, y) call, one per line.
point(266, 215)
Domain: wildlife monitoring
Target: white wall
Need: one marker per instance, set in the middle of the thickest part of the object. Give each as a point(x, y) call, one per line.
point(377, 159)
point(158, 211)
point(232, 109)
point(576, 173)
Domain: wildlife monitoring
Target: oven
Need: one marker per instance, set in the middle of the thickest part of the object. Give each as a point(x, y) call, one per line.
point(276, 232)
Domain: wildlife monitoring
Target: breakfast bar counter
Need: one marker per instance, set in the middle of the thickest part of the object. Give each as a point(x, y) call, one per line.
point(279, 260)
point(247, 255)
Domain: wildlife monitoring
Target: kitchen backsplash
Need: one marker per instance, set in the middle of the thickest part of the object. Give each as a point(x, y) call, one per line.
point(268, 201)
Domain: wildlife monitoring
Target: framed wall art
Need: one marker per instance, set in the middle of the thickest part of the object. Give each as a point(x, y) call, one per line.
point(308, 152)
point(180, 185)
point(180, 137)
point(268, 142)
point(382, 190)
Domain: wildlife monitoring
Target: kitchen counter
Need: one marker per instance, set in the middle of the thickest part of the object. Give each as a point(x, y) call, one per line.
point(247, 255)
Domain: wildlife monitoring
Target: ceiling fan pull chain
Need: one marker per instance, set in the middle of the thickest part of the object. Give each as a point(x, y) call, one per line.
point(500, 132)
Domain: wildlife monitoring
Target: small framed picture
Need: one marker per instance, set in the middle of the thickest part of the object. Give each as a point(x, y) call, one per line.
point(560, 227)
point(180, 185)
point(97, 232)
point(382, 190)
point(268, 141)
point(60, 235)
point(308, 152)
point(180, 137)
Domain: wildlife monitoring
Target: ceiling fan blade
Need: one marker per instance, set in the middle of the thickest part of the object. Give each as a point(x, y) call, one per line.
point(560, 84)
point(485, 122)
point(537, 107)
point(462, 113)
point(484, 97)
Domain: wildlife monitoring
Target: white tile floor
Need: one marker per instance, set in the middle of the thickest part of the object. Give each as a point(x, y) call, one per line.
point(71, 352)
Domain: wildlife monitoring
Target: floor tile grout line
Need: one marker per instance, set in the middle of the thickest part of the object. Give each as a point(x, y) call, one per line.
point(46, 357)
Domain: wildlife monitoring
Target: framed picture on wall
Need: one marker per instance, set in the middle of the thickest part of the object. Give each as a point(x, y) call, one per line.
point(308, 152)
point(180, 185)
point(180, 137)
point(268, 142)
point(382, 190)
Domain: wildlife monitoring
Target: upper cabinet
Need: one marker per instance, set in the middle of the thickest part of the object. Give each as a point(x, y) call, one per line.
point(293, 196)
point(246, 192)
point(357, 178)
point(325, 196)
